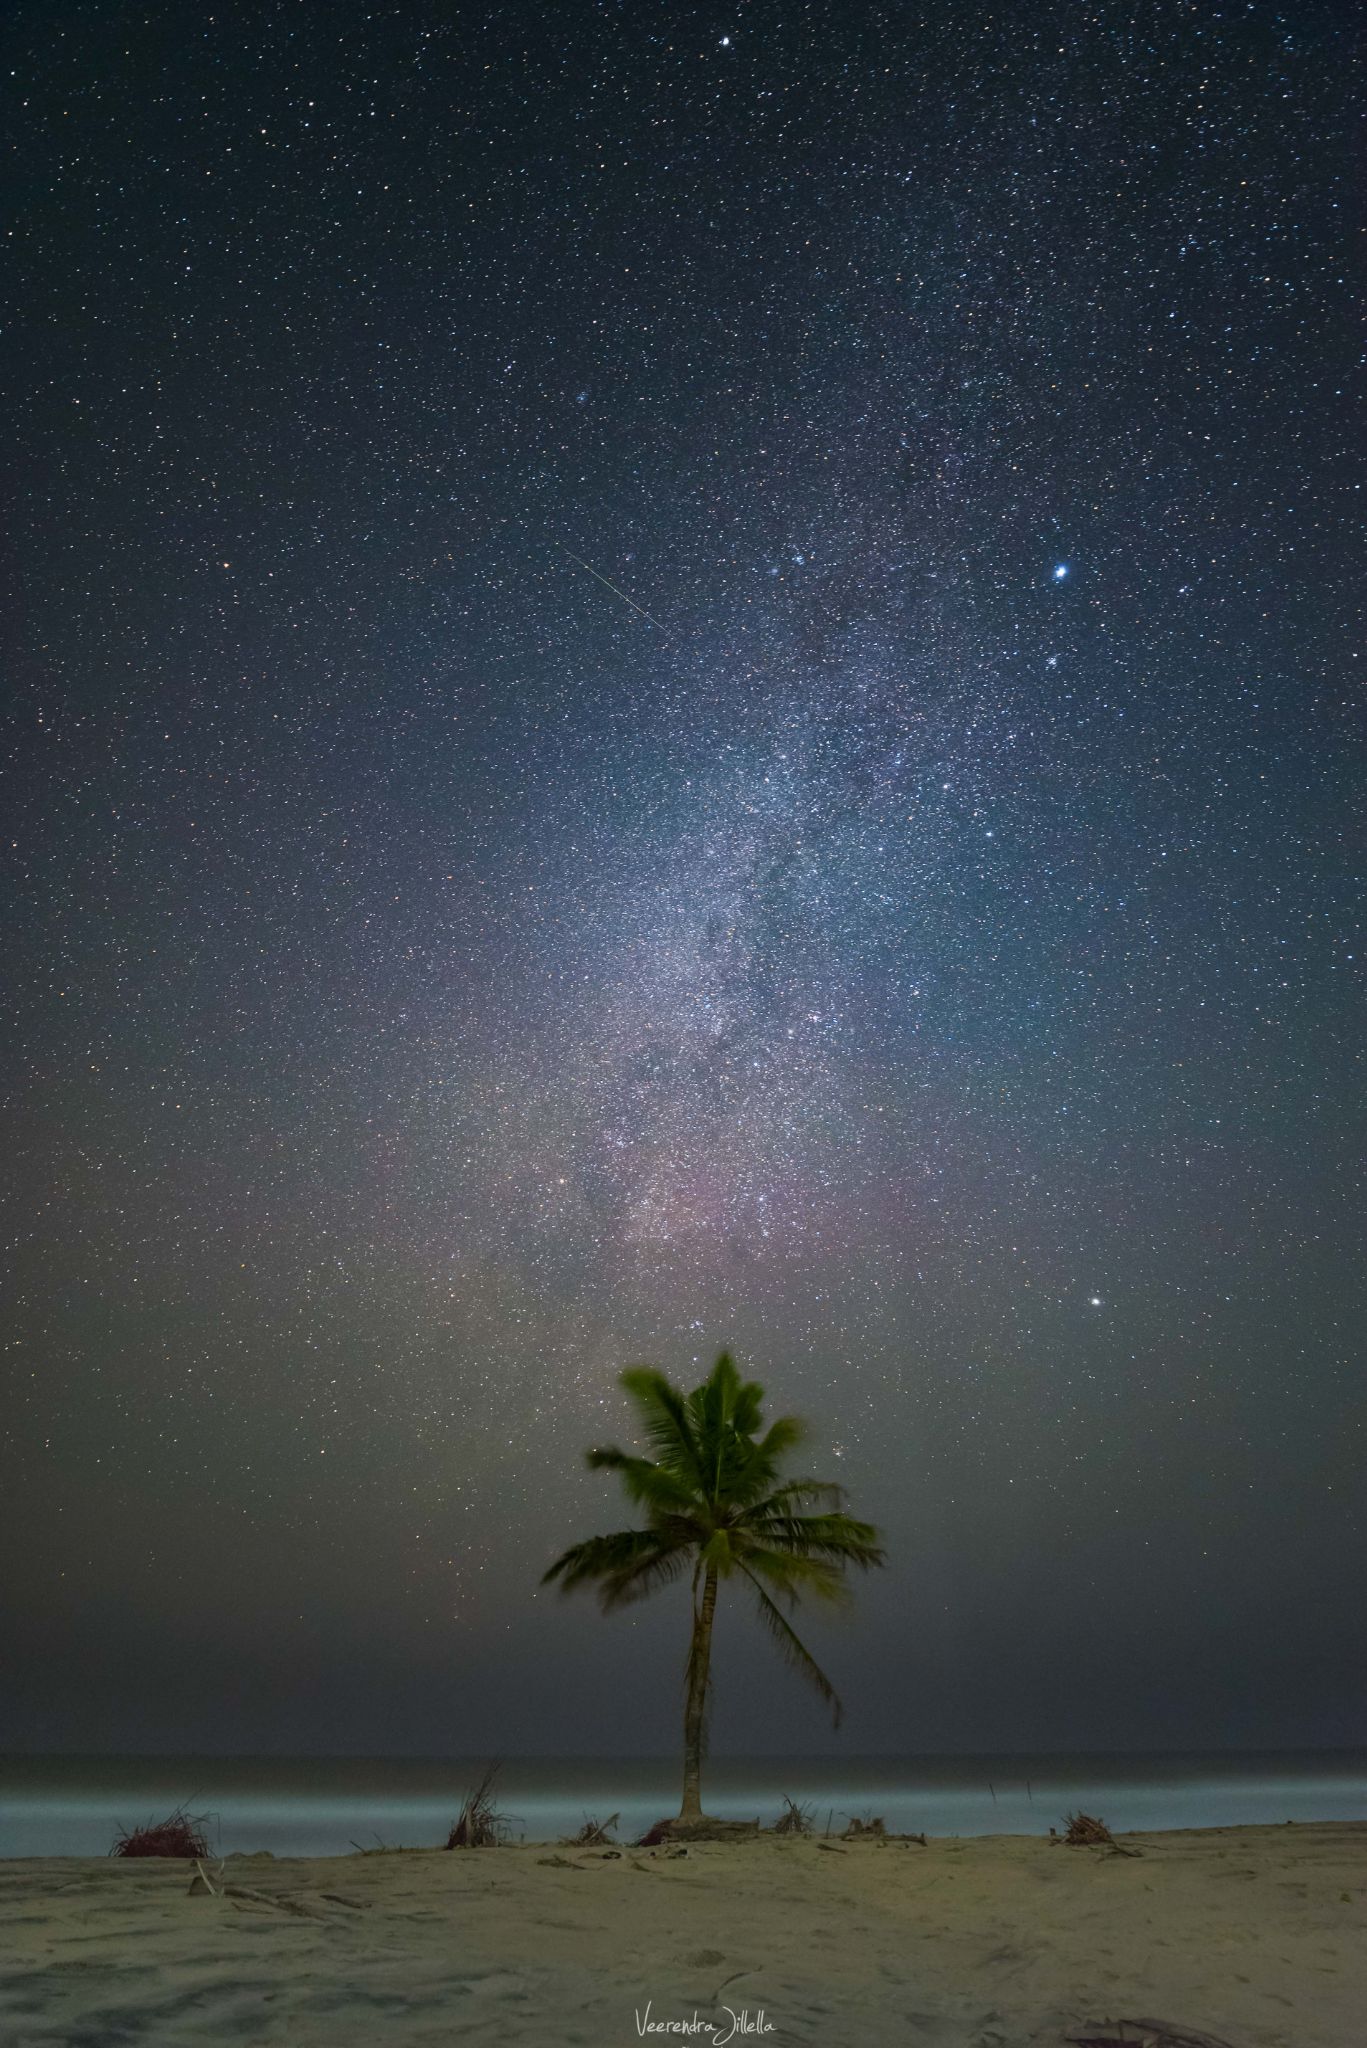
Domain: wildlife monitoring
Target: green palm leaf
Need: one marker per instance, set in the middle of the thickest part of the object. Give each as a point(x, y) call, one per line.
point(836, 1536)
point(795, 1652)
point(665, 1420)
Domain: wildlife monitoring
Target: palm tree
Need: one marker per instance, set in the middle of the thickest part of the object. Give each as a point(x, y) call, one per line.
point(716, 1507)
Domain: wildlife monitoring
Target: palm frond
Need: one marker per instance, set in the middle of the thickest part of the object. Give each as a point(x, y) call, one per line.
point(784, 1434)
point(724, 1413)
point(666, 1421)
point(792, 1575)
point(747, 1407)
point(835, 1536)
point(794, 1651)
point(644, 1577)
point(802, 1492)
point(650, 1485)
point(624, 1566)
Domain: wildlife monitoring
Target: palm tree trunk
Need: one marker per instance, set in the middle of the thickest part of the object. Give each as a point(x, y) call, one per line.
point(695, 1707)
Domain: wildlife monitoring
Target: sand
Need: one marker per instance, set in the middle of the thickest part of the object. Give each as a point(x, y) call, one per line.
point(1256, 1937)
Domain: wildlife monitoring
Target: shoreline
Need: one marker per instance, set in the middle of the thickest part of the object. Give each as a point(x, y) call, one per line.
point(1252, 1936)
point(320, 1806)
point(744, 1838)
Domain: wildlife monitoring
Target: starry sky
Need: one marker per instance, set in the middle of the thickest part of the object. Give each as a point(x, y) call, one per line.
point(681, 676)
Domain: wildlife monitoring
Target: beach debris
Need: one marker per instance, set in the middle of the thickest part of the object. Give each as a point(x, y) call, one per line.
point(245, 1899)
point(595, 1834)
point(479, 1824)
point(558, 1863)
point(1084, 1832)
point(872, 1830)
point(833, 1848)
point(206, 1884)
point(705, 1830)
point(907, 1840)
point(794, 1819)
point(180, 1834)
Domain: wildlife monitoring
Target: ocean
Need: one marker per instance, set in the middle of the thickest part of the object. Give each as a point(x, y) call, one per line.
point(320, 1806)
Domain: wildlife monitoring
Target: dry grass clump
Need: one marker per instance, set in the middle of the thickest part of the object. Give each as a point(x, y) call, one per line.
point(873, 1830)
point(794, 1819)
point(595, 1834)
point(180, 1834)
point(1084, 1832)
point(479, 1824)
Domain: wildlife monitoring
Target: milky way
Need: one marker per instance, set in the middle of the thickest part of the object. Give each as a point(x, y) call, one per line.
point(684, 680)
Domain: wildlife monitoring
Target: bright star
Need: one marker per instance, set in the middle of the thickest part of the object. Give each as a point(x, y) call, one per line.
point(1060, 571)
point(1095, 1301)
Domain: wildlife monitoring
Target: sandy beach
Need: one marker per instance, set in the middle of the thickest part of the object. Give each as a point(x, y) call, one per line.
point(1252, 1937)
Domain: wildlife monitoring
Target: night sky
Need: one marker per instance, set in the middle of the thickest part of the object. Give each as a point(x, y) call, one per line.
point(681, 676)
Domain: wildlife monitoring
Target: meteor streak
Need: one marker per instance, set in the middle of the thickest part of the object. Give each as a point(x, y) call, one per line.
point(608, 584)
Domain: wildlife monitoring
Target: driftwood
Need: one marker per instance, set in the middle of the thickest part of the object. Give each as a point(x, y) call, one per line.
point(1142, 2034)
point(245, 1898)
